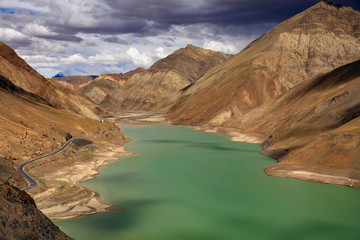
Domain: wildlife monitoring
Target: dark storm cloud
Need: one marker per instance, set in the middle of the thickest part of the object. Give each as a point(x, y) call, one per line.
point(119, 35)
point(163, 14)
point(152, 17)
point(114, 39)
point(61, 37)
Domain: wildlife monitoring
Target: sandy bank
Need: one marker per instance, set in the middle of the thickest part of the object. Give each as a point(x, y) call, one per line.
point(322, 174)
point(60, 194)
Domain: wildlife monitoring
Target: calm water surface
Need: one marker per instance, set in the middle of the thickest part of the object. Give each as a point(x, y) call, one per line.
point(188, 185)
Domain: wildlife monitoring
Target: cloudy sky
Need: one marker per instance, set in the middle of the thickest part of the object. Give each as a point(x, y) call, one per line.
point(82, 37)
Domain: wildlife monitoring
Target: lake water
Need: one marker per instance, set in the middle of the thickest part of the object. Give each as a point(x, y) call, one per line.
point(183, 184)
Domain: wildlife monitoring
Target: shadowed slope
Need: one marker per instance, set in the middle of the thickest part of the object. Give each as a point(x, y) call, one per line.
point(315, 41)
point(21, 219)
point(22, 75)
point(317, 122)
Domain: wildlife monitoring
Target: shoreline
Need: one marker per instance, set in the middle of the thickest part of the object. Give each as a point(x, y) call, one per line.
point(65, 197)
point(312, 173)
point(91, 202)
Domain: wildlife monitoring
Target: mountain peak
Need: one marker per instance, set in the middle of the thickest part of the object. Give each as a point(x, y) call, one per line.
point(59, 75)
point(191, 46)
point(328, 2)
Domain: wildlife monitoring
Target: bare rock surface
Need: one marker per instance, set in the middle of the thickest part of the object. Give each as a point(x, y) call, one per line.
point(20, 219)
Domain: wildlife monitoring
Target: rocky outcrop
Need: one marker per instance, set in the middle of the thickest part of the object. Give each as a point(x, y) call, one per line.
point(157, 88)
point(315, 41)
point(15, 69)
point(20, 219)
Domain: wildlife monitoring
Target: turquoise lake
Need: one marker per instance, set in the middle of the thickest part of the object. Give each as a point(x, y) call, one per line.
point(183, 184)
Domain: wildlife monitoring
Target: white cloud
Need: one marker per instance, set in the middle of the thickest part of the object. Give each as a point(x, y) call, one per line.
point(9, 35)
point(36, 29)
point(103, 58)
point(85, 37)
point(74, 59)
point(160, 52)
point(23, 4)
point(141, 59)
point(225, 47)
point(40, 60)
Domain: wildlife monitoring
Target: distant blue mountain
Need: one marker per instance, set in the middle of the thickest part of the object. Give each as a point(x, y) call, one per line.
point(59, 75)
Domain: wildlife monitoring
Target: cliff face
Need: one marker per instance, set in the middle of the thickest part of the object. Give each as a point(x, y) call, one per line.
point(157, 88)
point(22, 75)
point(20, 219)
point(315, 41)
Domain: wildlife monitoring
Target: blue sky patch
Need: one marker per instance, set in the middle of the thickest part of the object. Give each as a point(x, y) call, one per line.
point(134, 41)
point(7, 10)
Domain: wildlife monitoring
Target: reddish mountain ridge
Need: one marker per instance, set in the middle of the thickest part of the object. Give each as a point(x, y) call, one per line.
point(22, 75)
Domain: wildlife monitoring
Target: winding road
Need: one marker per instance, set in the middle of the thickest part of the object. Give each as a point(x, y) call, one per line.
point(32, 181)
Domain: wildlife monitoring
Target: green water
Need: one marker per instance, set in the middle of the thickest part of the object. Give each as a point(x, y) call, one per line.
point(183, 184)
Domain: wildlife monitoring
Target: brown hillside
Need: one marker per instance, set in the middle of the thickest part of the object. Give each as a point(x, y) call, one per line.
point(102, 85)
point(30, 127)
point(20, 219)
point(75, 82)
point(317, 122)
point(157, 88)
point(315, 41)
point(15, 69)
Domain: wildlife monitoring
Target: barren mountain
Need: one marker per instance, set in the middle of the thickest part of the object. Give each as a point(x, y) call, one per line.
point(102, 85)
point(317, 123)
point(31, 127)
point(20, 219)
point(158, 87)
point(15, 69)
point(315, 41)
point(76, 81)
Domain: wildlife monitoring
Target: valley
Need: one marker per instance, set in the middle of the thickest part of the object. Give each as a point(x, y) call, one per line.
point(283, 109)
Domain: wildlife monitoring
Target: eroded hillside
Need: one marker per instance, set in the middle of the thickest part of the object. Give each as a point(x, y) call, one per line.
point(59, 96)
point(315, 41)
point(159, 87)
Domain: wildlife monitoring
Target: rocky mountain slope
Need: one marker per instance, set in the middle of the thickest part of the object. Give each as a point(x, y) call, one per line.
point(15, 69)
point(30, 127)
point(76, 81)
point(316, 124)
point(315, 41)
point(157, 88)
point(102, 85)
point(20, 219)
